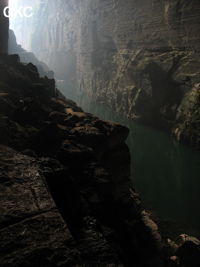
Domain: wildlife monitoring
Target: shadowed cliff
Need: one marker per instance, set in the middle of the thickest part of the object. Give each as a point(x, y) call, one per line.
point(72, 158)
point(139, 58)
point(66, 194)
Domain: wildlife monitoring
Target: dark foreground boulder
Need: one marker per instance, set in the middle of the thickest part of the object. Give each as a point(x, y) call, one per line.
point(32, 230)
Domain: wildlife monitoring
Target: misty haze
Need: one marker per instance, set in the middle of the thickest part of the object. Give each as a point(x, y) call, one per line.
point(100, 133)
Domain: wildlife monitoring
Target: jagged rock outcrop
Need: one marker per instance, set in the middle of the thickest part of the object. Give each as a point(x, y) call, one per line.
point(27, 57)
point(66, 197)
point(140, 58)
point(65, 189)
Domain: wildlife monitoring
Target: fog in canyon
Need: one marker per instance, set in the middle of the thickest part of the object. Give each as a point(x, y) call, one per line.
point(135, 63)
point(139, 60)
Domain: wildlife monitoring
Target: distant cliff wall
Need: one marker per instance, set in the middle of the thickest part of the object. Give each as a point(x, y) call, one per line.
point(4, 24)
point(141, 58)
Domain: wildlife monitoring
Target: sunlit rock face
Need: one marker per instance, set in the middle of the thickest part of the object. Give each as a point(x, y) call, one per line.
point(3, 27)
point(140, 58)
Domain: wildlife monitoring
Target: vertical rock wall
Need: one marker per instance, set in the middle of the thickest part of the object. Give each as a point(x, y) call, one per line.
point(140, 58)
point(4, 24)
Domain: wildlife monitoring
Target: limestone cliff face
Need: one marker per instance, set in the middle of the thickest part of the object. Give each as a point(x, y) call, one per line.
point(3, 28)
point(65, 190)
point(140, 58)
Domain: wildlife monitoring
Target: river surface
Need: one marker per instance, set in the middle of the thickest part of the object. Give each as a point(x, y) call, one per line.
point(164, 172)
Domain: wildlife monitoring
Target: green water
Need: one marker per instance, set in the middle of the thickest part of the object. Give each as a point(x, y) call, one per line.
point(164, 172)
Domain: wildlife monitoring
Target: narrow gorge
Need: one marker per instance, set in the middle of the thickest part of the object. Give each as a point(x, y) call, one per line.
point(100, 133)
point(140, 58)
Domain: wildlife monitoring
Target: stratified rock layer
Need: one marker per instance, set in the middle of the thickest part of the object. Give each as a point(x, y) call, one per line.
point(140, 58)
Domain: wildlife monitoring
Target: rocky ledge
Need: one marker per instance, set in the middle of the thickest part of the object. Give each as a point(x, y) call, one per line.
point(65, 193)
